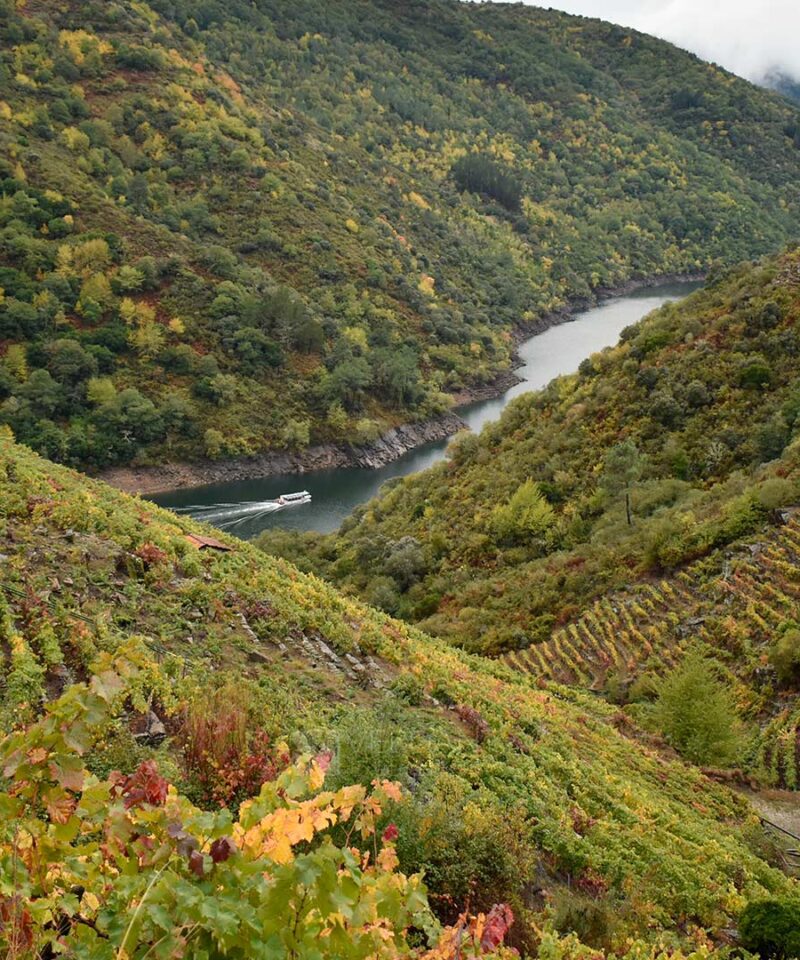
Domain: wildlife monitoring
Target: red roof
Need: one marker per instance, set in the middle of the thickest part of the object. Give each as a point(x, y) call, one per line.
point(202, 542)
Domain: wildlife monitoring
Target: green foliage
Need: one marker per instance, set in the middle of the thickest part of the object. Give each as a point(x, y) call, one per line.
point(771, 928)
point(527, 515)
point(696, 713)
point(623, 493)
point(515, 787)
point(369, 746)
point(154, 217)
point(785, 656)
point(480, 174)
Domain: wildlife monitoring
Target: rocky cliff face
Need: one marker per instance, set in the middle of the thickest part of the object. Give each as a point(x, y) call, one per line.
point(389, 447)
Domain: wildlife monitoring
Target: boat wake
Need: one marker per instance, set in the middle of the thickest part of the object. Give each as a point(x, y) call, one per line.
point(224, 515)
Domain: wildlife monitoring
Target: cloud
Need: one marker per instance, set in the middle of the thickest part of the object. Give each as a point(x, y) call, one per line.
point(749, 37)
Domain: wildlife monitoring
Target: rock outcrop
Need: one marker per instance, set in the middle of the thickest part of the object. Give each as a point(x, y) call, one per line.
point(389, 447)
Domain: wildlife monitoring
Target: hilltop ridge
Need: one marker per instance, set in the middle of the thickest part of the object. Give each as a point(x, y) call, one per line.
point(237, 228)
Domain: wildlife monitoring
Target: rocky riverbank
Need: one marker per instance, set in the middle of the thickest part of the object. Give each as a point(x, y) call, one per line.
point(389, 447)
point(392, 445)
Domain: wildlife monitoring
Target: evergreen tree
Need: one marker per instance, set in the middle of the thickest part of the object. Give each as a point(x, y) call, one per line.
point(696, 713)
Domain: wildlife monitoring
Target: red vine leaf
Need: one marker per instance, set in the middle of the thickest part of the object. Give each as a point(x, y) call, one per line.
point(221, 849)
point(498, 923)
point(144, 786)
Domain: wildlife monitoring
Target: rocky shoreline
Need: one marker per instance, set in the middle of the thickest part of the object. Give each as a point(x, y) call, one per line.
point(390, 446)
point(326, 456)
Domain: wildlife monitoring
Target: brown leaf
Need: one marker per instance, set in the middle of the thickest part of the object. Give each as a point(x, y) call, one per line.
point(68, 776)
point(59, 804)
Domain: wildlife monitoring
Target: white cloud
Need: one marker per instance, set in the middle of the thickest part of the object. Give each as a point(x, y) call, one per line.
point(750, 37)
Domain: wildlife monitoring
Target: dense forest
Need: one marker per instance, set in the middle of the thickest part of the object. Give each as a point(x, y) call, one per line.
point(659, 450)
point(233, 227)
point(133, 660)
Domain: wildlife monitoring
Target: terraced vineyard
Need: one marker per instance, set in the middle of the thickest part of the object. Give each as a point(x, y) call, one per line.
point(87, 573)
point(733, 604)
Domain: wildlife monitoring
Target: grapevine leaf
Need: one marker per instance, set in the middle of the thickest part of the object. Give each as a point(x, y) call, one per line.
point(221, 849)
point(68, 772)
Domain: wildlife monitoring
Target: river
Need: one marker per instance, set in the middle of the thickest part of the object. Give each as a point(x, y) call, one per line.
point(335, 493)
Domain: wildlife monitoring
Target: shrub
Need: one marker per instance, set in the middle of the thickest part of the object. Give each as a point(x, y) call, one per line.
point(409, 688)
point(785, 656)
point(592, 920)
point(526, 515)
point(213, 443)
point(369, 747)
point(228, 759)
point(695, 711)
point(771, 928)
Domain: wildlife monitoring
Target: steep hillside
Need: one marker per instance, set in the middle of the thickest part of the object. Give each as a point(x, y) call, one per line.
point(519, 793)
point(229, 227)
point(677, 441)
point(738, 605)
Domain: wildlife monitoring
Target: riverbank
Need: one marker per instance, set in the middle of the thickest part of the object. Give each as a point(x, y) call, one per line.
point(395, 443)
point(178, 476)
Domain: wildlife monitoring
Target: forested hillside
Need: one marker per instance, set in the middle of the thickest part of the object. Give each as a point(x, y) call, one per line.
point(227, 227)
point(678, 441)
point(222, 668)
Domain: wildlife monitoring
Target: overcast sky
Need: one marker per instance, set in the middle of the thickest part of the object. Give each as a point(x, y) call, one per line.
point(749, 37)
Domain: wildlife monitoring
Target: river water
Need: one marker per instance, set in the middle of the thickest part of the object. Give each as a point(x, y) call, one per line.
point(336, 493)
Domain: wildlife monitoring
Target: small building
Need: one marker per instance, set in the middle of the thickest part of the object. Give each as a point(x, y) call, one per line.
point(207, 543)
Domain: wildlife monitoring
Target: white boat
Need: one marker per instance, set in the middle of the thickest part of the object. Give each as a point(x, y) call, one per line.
point(292, 499)
point(232, 514)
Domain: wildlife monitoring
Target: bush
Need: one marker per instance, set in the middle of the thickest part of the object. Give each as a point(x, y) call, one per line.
point(785, 657)
point(591, 920)
point(771, 928)
point(369, 747)
point(526, 515)
point(226, 756)
point(695, 711)
point(409, 688)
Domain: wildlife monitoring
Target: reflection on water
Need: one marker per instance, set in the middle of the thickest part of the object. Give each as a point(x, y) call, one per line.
point(241, 505)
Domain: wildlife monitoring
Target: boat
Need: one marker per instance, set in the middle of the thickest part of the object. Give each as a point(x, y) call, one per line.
point(292, 499)
point(232, 514)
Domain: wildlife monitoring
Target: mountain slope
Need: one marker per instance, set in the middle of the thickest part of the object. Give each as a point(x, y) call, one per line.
point(690, 423)
point(235, 227)
point(521, 792)
point(738, 606)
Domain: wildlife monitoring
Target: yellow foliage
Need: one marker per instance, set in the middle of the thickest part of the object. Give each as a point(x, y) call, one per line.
point(80, 43)
point(16, 362)
point(147, 339)
point(351, 225)
point(357, 336)
point(419, 201)
point(100, 390)
point(426, 285)
point(127, 310)
point(96, 287)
